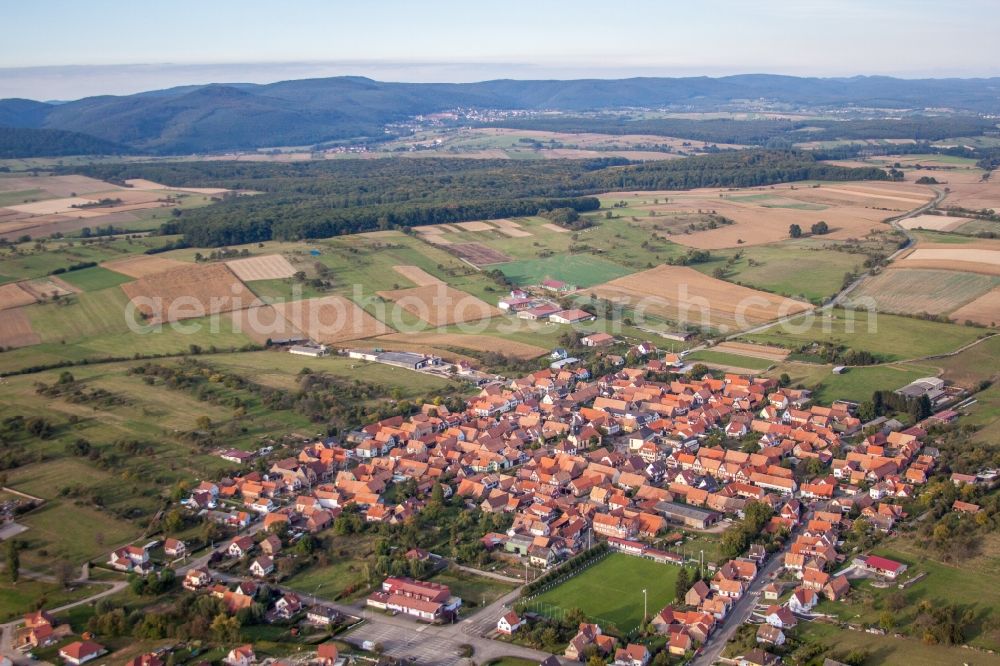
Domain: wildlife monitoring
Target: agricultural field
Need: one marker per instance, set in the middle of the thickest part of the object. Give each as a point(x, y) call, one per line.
point(189, 292)
point(679, 293)
point(483, 343)
point(916, 290)
point(809, 269)
point(983, 259)
point(439, 305)
point(43, 205)
point(331, 319)
point(143, 265)
point(713, 219)
point(266, 267)
point(610, 592)
point(94, 278)
point(890, 337)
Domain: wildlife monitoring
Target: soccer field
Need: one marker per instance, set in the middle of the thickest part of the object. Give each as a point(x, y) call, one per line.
point(610, 592)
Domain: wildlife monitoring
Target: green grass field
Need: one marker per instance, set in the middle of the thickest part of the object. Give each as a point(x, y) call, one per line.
point(610, 592)
point(856, 384)
point(735, 360)
point(23, 196)
point(27, 595)
point(808, 269)
point(891, 337)
point(280, 369)
point(575, 269)
point(973, 583)
point(891, 651)
point(94, 278)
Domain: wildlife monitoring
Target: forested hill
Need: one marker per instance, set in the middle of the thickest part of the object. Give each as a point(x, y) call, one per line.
point(27, 142)
point(305, 112)
point(327, 198)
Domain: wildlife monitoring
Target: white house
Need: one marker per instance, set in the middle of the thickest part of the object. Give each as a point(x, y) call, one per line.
point(262, 566)
point(509, 623)
point(241, 656)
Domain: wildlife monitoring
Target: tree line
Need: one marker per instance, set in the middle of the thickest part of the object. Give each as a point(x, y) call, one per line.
point(328, 198)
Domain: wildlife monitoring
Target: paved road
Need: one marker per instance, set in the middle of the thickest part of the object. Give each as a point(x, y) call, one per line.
point(712, 650)
point(404, 638)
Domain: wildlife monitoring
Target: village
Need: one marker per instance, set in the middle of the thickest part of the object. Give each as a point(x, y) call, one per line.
point(571, 463)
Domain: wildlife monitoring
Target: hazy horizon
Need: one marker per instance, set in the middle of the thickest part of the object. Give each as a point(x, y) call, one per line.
point(110, 47)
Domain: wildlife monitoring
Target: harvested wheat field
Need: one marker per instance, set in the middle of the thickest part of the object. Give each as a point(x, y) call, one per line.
point(969, 190)
point(47, 287)
point(953, 258)
point(756, 351)
point(53, 206)
point(143, 184)
point(475, 226)
point(984, 310)
point(440, 305)
point(485, 343)
point(504, 223)
point(57, 186)
point(478, 254)
point(143, 265)
point(188, 292)
point(514, 233)
point(913, 290)
point(555, 227)
point(934, 222)
point(417, 275)
point(331, 319)
point(682, 294)
point(263, 323)
point(267, 267)
point(15, 329)
point(14, 296)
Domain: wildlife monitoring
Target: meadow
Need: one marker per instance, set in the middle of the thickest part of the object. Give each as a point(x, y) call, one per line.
point(890, 337)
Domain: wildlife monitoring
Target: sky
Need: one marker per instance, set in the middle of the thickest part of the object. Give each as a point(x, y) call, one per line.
point(61, 49)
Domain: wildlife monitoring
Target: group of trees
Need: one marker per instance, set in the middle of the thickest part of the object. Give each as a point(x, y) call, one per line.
point(328, 198)
point(818, 229)
point(738, 537)
point(889, 402)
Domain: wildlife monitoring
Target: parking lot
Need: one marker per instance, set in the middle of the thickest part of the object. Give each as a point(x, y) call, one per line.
point(416, 645)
